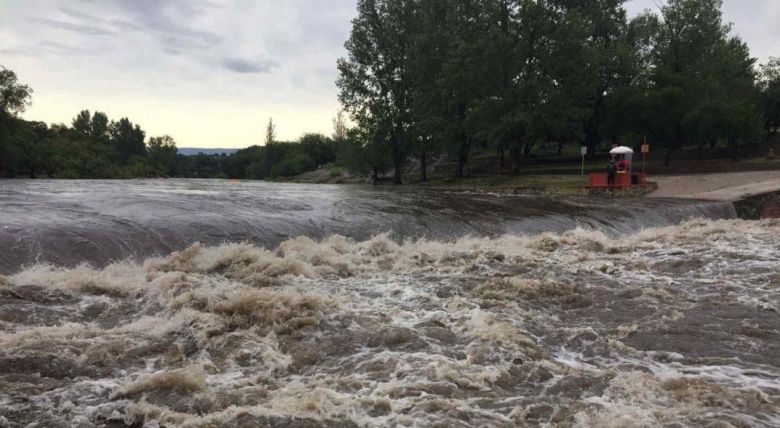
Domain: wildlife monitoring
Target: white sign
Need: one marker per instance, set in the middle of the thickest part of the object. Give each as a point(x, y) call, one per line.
point(584, 151)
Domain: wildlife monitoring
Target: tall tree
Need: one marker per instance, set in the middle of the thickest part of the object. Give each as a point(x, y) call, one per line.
point(270, 132)
point(695, 64)
point(340, 127)
point(14, 96)
point(456, 84)
point(163, 154)
point(603, 60)
point(14, 99)
point(429, 45)
point(533, 107)
point(769, 84)
point(99, 130)
point(82, 123)
point(128, 139)
point(374, 80)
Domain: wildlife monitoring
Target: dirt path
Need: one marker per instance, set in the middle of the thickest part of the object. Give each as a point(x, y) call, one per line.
point(720, 187)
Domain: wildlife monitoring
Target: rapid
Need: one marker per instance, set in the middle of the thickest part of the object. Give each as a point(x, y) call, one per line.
point(211, 303)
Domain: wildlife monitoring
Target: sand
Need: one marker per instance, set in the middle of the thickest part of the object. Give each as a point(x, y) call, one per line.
point(718, 187)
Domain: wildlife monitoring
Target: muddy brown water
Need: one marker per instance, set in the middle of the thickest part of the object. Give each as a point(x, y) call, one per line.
point(348, 306)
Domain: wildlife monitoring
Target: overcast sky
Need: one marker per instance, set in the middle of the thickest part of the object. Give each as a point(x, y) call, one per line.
point(211, 72)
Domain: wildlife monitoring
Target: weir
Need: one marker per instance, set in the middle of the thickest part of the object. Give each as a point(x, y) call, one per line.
point(97, 222)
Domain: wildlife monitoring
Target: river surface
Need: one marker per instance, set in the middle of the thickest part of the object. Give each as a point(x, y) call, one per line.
point(216, 303)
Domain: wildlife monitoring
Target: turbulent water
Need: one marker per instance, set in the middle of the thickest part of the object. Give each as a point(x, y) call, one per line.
point(589, 324)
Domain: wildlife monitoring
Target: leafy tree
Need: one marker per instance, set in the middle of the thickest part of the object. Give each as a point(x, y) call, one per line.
point(769, 85)
point(602, 61)
point(14, 96)
point(374, 84)
point(82, 123)
point(270, 132)
point(697, 66)
point(99, 130)
point(14, 99)
point(318, 147)
point(163, 155)
point(530, 108)
point(340, 127)
point(448, 98)
point(128, 139)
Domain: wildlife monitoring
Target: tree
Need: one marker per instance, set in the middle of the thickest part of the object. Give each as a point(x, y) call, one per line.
point(452, 54)
point(14, 99)
point(602, 62)
point(163, 154)
point(530, 103)
point(340, 127)
point(14, 96)
point(128, 139)
point(318, 147)
point(374, 85)
point(99, 130)
point(696, 67)
point(82, 123)
point(769, 85)
point(270, 132)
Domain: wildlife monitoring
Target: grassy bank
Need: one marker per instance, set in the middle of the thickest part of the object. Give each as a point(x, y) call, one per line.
point(524, 184)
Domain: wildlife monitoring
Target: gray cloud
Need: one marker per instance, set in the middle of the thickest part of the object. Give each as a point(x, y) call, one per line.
point(73, 13)
point(240, 65)
point(69, 26)
point(163, 19)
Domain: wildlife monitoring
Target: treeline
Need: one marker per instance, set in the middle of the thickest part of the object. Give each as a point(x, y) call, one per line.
point(424, 77)
point(93, 146)
point(96, 147)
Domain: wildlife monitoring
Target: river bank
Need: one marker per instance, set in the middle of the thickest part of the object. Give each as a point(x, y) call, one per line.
point(731, 186)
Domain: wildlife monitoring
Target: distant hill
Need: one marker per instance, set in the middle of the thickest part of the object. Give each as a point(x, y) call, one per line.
point(192, 151)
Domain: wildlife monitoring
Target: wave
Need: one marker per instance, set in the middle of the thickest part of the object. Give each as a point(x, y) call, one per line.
point(103, 222)
point(668, 325)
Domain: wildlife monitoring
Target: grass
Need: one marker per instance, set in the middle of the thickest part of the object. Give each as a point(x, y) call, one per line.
point(553, 184)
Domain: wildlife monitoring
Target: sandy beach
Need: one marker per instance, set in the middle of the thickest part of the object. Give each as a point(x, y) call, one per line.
point(719, 187)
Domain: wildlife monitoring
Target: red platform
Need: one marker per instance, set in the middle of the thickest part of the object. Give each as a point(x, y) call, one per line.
point(622, 179)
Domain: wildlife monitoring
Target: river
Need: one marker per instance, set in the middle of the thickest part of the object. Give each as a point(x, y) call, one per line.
point(217, 303)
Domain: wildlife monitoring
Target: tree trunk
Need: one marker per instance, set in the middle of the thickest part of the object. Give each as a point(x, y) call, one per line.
point(398, 173)
point(734, 149)
point(560, 148)
point(591, 140)
point(375, 176)
point(424, 167)
point(700, 154)
point(516, 155)
point(463, 156)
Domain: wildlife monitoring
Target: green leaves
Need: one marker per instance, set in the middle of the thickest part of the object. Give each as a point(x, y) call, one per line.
point(14, 96)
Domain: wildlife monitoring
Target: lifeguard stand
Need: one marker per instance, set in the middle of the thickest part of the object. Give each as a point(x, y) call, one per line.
point(623, 158)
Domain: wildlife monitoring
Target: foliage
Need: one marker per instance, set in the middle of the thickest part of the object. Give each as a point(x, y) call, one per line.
point(769, 85)
point(443, 78)
point(270, 132)
point(431, 76)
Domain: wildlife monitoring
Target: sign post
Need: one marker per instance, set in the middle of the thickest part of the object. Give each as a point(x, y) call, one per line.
point(645, 151)
point(583, 152)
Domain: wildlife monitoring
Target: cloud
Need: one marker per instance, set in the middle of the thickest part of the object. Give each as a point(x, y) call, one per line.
point(69, 26)
point(240, 65)
point(163, 18)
